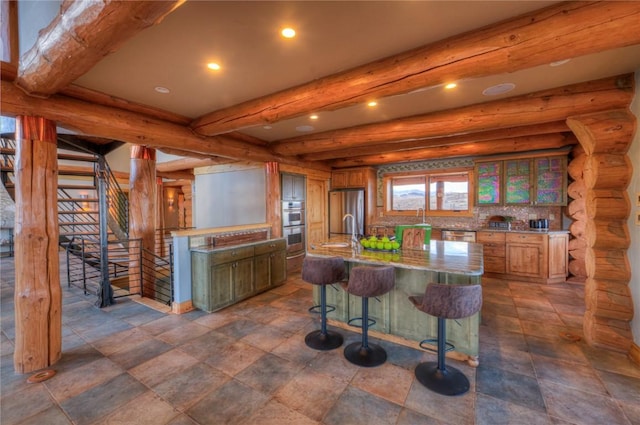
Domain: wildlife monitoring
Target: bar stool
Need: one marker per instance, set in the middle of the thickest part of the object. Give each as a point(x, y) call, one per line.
point(446, 302)
point(366, 282)
point(323, 272)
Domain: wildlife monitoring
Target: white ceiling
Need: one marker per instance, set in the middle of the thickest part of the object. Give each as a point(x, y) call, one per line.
point(332, 36)
point(243, 36)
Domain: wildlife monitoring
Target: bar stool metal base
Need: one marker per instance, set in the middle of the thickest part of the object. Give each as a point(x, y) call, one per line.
point(449, 381)
point(371, 356)
point(323, 341)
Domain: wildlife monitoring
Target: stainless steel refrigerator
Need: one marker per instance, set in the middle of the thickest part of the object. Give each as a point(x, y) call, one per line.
point(341, 202)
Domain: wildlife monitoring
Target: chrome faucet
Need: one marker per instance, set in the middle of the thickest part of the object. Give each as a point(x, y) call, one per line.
point(424, 218)
point(354, 238)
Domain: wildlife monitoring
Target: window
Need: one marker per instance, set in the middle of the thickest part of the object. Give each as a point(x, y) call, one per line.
point(448, 193)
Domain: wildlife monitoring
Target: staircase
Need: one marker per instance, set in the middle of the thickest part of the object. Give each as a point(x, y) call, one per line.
point(98, 252)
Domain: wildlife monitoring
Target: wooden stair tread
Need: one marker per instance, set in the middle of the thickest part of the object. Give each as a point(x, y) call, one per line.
point(77, 199)
point(78, 212)
point(77, 186)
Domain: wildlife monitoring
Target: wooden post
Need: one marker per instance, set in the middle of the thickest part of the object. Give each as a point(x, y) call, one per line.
point(38, 299)
point(187, 205)
point(159, 248)
point(142, 216)
point(274, 207)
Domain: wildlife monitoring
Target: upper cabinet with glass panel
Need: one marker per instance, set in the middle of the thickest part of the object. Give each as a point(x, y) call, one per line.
point(448, 193)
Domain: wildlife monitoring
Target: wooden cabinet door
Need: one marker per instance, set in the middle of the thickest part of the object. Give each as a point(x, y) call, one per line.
point(243, 277)
point(316, 211)
point(221, 291)
point(356, 178)
point(263, 272)
point(558, 257)
point(278, 265)
point(525, 260)
point(338, 179)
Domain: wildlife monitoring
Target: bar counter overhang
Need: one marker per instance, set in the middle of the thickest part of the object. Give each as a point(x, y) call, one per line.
point(397, 320)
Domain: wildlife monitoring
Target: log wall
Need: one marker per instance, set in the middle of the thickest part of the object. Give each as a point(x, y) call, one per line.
point(605, 138)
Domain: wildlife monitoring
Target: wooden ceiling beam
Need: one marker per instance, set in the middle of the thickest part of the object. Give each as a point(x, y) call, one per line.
point(473, 149)
point(531, 109)
point(537, 38)
point(135, 128)
point(482, 136)
point(9, 31)
point(176, 175)
point(188, 164)
point(81, 35)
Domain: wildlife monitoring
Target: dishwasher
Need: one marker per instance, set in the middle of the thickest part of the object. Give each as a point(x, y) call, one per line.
point(459, 235)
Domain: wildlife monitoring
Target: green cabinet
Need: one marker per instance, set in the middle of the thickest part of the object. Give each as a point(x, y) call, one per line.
point(540, 181)
point(224, 276)
point(270, 263)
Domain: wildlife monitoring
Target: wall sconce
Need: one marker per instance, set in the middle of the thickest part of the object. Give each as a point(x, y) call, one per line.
point(170, 202)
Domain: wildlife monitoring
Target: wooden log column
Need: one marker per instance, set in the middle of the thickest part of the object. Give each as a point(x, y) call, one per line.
point(38, 299)
point(605, 138)
point(187, 205)
point(159, 237)
point(576, 210)
point(274, 206)
point(142, 217)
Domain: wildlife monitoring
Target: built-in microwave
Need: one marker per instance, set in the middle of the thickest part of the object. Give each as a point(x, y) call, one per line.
point(292, 213)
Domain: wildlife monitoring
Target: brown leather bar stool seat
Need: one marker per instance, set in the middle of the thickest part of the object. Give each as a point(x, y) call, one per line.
point(446, 302)
point(366, 282)
point(323, 272)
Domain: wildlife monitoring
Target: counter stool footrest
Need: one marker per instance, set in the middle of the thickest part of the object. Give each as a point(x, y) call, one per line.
point(317, 309)
point(434, 341)
point(351, 322)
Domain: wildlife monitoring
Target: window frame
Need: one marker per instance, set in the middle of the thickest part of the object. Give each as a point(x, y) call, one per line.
point(388, 180)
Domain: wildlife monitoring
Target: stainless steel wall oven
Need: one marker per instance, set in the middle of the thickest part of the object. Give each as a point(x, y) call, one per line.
point(293, 230)
point(292, 213)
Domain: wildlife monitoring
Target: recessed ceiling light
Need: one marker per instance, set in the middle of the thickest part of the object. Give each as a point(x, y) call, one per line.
point(304, 128)
point(372, 104)
point(313, 117)
point(499, 89)
point(162, 90)
point(450, 86)
point(214, 66)
point(288, 32)
point(558, 63)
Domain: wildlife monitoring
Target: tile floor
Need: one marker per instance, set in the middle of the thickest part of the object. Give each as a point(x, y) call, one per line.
point(248, 364)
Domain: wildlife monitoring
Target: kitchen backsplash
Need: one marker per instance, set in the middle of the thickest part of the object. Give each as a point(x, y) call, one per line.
point(480, 219)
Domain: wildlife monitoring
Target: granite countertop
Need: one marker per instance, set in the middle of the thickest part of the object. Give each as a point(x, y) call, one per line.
point(543, 231)
point(440, 256)
point(485, 229)
point(208, 248)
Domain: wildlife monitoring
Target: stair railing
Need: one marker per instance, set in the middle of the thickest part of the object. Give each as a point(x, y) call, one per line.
point(118, 203)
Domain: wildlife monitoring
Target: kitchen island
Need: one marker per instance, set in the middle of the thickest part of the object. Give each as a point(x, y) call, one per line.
point(455, 263)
